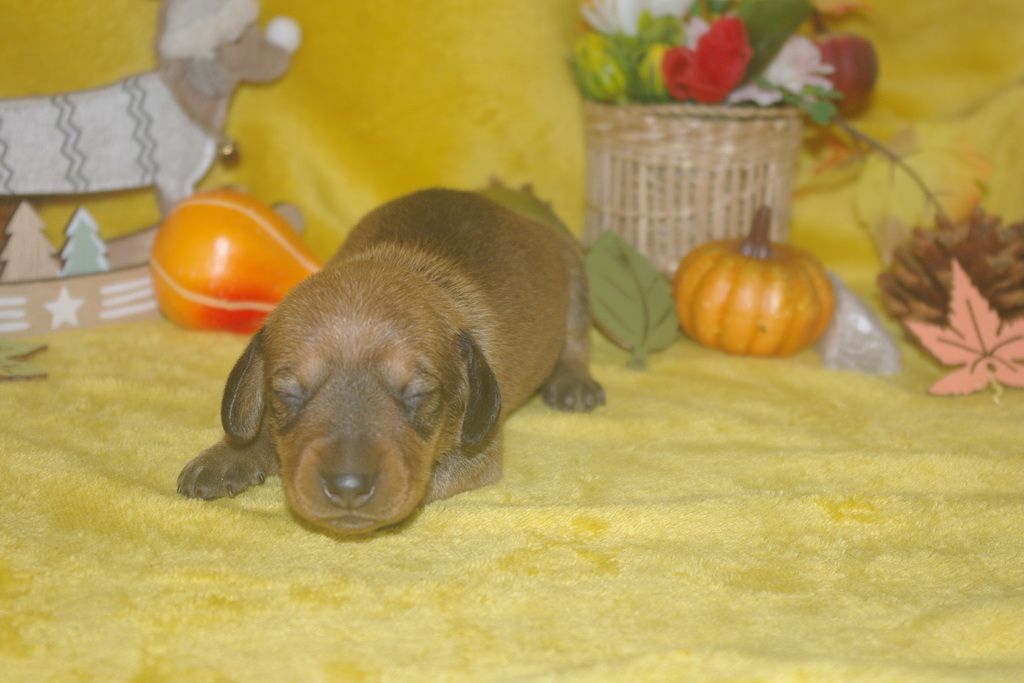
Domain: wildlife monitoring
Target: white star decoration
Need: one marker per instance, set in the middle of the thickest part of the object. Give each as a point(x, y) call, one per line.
point(64, 309)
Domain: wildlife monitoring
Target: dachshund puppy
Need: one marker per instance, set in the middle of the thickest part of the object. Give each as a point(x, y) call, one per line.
point(380, 383)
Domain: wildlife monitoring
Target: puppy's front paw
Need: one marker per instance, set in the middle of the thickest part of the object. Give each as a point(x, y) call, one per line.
point(573, 390)
point(220, 471)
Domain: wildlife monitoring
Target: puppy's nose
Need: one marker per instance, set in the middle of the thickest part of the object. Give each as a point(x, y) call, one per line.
point(349, 489)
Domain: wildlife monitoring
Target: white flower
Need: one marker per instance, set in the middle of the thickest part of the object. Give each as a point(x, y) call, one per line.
point(694, 29)
point(797, 66)
point(623, 16)
point(752, 92)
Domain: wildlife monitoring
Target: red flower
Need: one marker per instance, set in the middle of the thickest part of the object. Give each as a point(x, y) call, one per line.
point(709, 73)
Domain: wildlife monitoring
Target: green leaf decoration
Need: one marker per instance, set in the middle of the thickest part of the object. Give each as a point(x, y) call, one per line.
point(818, 103)
point(630, 300)
point(769, 24)
point(820, 112)
point(524, 202)
point(12, 360)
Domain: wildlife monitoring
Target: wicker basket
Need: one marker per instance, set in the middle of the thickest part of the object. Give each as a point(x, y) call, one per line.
point(670, 177)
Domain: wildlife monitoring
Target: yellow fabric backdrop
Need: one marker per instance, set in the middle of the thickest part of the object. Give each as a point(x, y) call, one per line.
point(721, 518)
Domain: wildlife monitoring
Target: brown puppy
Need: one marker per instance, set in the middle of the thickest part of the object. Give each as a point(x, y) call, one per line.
point(381, 383)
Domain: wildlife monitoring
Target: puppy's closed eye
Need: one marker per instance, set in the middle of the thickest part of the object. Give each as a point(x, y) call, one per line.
point(421, 402)
point(414, 398)
point(289, 395)
point(411, 387)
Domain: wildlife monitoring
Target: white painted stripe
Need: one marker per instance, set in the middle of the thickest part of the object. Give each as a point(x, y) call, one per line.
point(12, 315)
point(118, 287)
point(204, 300)
point(311, 266)
point(13, 327)
point(13, 301)
point(125, 311)
point(128, 298)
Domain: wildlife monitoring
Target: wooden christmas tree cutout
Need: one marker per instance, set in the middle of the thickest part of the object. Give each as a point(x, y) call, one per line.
point(27, 254)
point(84, 252)
point(38, 294)
point(6, 211)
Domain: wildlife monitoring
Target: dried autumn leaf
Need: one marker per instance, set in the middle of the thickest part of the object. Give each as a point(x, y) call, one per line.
point(828, 160)
point(12, 360)
point(987, 348)
point(840, 8)
point(890, 204)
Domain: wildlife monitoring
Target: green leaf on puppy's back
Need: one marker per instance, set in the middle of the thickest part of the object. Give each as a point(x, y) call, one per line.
point(631, 301)
point(524, 202)
point(769, 24)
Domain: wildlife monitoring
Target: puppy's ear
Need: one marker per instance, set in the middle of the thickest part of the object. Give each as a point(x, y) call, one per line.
point(483, 403)
point(241, 409)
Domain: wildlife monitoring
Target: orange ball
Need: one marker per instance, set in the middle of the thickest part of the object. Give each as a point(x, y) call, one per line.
point(223, 260)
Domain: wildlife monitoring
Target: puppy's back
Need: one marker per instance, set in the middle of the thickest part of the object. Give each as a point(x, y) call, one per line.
point(519, 267)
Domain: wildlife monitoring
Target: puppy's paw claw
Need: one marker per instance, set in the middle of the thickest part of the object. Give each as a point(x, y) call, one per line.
point(573, 393)
point(218, 472)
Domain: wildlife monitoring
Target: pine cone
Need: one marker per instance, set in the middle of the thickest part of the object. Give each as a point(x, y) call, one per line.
point(917, 284)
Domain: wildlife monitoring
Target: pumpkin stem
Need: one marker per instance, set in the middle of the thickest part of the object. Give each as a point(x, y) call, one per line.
point(758, 243)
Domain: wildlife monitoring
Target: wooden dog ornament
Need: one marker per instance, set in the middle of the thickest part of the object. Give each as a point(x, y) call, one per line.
point(381, 383)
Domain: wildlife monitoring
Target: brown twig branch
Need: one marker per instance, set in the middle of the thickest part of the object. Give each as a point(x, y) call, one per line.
point(818, 22)
point(861, 137)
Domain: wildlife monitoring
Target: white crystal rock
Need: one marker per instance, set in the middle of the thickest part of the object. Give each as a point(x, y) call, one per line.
point(856, 339)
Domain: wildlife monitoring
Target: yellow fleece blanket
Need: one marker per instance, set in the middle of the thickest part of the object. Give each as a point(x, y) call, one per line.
point(720, 519)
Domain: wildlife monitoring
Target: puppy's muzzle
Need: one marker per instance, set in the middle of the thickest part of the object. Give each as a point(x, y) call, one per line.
point(349, 490)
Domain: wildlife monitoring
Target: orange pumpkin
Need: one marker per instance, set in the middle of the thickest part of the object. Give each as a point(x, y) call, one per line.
point(752, 297)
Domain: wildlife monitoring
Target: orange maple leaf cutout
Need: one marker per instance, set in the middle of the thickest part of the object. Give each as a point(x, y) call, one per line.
point(988, 349)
